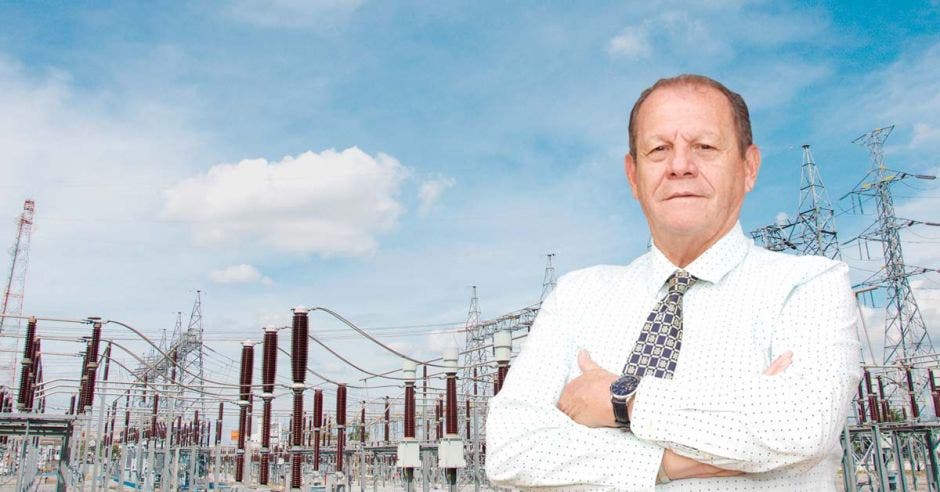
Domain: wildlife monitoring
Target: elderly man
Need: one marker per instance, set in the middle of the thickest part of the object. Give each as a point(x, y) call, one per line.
point(706, 364)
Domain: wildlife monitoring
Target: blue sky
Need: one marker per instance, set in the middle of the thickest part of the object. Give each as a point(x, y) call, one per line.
point(379, 158)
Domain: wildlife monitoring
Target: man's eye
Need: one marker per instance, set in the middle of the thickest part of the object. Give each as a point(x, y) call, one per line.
point(706, 147)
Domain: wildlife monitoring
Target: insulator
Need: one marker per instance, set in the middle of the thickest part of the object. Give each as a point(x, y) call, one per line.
point(317, 424)
point(317, 409)
point(269, 362)
point(451, 404)
point(107, 362)
point(72, 405)
point(93, 363)
point(246, 370)
point(299, 344)
point(915, 412)
point(409, 409)
point(362, 424)
point(153, 416)
point(340, 425)
point(388, 410)
point(266, 424)
point(26, 364)
point(263, 468)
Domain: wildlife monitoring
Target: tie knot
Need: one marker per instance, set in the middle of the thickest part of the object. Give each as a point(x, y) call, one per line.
point(680, 281)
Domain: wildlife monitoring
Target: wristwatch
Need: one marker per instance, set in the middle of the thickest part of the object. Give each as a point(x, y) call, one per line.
point(621, 391)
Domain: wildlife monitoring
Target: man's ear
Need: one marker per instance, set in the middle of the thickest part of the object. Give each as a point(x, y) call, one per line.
point(751, 166)
point(629, 164)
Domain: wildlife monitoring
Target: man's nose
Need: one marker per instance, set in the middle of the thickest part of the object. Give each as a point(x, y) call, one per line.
point(683, 162)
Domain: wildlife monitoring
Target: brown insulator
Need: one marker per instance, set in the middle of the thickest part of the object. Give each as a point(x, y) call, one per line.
point(388, 413)
point(26, 365)
point(501, 373)
point(362, 424)
point(885, 408)
point(197, 437)
point(860, 401)
point(71, 405)
point(915, 412)
point(297, 434)
point(299, 344)
point(244, 401)
point(269, 362)
point(218, 425)
point(153, 416)
point(451, 404)
point(107, 362)
point(317, 423)
point(340, 425)
point(409, 409)
point(92, 363)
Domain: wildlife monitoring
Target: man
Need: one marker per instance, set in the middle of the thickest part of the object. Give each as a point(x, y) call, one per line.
point(708, 363)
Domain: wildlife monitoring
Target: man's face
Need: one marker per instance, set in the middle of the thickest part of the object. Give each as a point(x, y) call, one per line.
point(689, 175)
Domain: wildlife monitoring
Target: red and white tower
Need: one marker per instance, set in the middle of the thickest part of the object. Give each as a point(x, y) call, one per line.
point(16, 281)
point(16, 284)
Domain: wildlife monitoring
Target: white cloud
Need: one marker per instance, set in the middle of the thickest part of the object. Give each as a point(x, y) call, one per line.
point(632, 42)
point(239, 274)
point(304, 14)
point(331, 203)
point(430, 192)
point(924, 135)
point(905, 93)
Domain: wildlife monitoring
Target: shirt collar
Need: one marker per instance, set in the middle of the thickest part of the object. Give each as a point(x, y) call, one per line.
point(711, 266)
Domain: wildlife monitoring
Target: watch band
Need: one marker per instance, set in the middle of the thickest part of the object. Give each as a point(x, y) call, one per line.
point(621, 416)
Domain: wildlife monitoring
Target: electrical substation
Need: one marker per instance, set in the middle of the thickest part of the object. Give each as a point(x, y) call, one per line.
point(183, 415)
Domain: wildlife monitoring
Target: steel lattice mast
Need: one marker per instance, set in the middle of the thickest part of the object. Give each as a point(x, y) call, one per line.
point(814, 231)
point(16, 280)
point(16, 284)
point(905, 332)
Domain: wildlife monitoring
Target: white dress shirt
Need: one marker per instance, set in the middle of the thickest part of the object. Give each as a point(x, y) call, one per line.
point(749, 306)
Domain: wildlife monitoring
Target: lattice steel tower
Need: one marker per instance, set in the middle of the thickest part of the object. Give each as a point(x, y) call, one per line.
point(16, 280)
point(905, 332)
point(14, 289)
point(814, 230)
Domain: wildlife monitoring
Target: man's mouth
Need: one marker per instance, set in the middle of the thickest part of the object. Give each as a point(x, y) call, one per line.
point(683, 195)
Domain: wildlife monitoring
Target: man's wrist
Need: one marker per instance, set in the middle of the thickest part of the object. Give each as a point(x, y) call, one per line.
point(662, 476)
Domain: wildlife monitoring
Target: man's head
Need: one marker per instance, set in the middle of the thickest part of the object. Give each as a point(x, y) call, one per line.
point(742, 118)
point(691, 160)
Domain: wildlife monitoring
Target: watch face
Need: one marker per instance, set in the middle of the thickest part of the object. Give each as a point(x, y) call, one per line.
point(625, 386)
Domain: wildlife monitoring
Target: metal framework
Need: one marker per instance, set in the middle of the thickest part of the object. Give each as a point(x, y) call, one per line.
point(905, 333)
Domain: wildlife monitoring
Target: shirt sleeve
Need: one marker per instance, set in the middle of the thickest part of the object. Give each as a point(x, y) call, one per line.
point(757, 423)
point(531, 443)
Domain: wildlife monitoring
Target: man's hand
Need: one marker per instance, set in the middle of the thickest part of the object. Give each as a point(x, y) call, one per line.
point(678, 467)
point(586, 398)
point(779, 364)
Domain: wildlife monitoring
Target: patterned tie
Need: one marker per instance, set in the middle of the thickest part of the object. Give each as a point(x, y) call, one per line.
point(657, 348)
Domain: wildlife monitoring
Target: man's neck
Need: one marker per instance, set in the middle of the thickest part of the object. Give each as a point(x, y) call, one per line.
point(682, 250)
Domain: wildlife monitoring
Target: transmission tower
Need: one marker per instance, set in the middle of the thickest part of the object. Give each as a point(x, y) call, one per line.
point(475, 356)
point(548, 280)
point(814, 230)
point(906, 334)
point(16, 280)
point(16, 286)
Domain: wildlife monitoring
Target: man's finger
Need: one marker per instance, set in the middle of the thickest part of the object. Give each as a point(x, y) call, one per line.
point(585, 362)
point(780, 364)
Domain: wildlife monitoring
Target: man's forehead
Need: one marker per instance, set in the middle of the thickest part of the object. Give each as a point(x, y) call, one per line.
point(673, 102)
